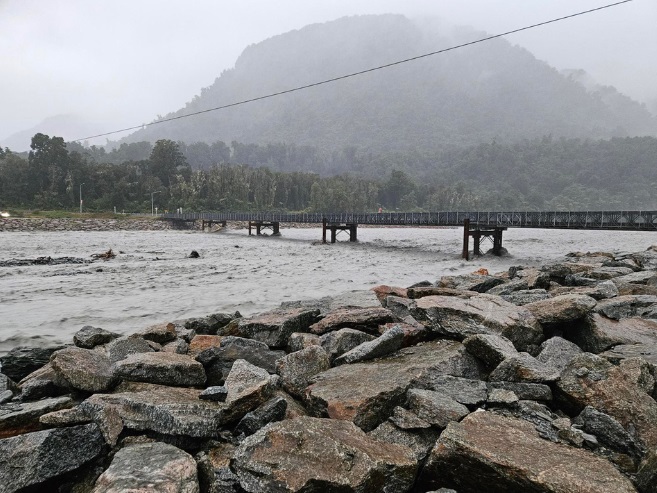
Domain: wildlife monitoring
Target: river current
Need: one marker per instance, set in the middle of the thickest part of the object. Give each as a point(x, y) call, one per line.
point(151, 280)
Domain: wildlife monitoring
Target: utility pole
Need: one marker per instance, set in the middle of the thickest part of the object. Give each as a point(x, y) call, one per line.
point(152, 203)
point(81, 197)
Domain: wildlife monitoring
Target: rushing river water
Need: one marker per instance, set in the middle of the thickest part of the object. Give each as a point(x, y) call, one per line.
point(151, 280)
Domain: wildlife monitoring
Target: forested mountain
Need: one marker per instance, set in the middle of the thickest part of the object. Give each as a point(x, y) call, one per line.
point(492, 90)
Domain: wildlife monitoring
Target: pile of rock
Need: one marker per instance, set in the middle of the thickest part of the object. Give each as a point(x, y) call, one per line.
point(96, 224)
point(530, 380)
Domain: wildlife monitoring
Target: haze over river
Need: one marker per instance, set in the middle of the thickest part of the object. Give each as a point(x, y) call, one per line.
point(151, 280)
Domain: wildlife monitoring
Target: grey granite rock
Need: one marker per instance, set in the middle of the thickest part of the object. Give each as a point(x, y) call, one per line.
point(150, 467)
point(89, 337)
point(33, 458)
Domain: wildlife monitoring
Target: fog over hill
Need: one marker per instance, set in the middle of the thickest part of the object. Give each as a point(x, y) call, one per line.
point(480, 93)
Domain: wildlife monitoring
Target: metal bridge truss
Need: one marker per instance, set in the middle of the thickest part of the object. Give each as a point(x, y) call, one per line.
point(620, 220)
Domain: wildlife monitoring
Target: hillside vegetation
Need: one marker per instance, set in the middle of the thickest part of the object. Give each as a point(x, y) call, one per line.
point(491, 90)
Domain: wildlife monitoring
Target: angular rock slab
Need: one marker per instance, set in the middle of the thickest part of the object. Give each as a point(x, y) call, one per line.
point(561, 309)
point(601, 333)
point(297, 368)
point(23, 360)
point(366, 393)
point(89, 337)
point(167, 410)
point(365, 319)
point(149, 467)
point(274, 328)
point(311, 454)
point(389, 342)
point(482, 314)
point(590, 380)
point(496, 454)
point(161, 368)
point(17, 418)
point(84, 369)
point(33, 458)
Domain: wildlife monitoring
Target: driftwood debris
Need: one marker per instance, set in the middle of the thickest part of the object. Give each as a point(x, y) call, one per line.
point(109, 254)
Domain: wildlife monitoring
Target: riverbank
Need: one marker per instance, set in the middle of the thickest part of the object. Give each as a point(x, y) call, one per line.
point(535, 378)
point(24, 224)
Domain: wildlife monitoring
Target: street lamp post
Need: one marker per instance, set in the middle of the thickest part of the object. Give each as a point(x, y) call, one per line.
point(81, 197)
point(153, 208)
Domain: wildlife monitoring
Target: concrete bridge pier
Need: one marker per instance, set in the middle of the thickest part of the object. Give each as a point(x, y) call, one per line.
point(351, 228)
point(260, 225)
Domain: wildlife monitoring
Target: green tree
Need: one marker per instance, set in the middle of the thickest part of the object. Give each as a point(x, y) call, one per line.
point(167, 161)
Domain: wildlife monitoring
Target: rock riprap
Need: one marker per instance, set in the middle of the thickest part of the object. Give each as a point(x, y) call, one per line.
point(535, 379)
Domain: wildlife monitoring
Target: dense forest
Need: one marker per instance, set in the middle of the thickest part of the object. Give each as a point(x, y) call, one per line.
point(537, 174)
point(484, 92)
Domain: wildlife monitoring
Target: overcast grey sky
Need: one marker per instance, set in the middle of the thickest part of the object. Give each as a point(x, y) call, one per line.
point(123, 62)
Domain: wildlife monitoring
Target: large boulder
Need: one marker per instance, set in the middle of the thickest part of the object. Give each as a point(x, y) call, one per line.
point(211, 324)
point(435, 408)
point(459, 318)
point(84, 369)
point(389, 342)
point(159, 333)
point(161, 368)
point(491, 349)
point(149, 467)
point(628, 306)
point(44, 382)
point(310, 454)
point(561, 309)
point(338, 342)
point(122, 347)
point(556, 353)
point(248, 386)
point(365, 319)
point(600, 333)
point(496, 454)
point(34, 458)
point(524, 368)
point(296, 369)
point(89, 337)
point(589, 380)
point(274, 328)
point(158, 408)
point(232, 348)
point(23, 360)
point(470, 282)
point(377, 386)
point(271, 411)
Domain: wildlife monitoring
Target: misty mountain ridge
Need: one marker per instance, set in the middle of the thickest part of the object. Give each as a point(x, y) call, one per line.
point(488, 91)
point(67, 126)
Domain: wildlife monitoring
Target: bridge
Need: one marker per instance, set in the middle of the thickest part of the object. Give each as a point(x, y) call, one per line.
point(478, 225)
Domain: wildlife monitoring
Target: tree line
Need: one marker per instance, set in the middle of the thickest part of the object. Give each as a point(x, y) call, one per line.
point(538, 174)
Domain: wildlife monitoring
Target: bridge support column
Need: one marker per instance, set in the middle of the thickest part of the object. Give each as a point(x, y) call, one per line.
point(351, 228)
point(465, 253)
point(492, 233)
point(275, 227)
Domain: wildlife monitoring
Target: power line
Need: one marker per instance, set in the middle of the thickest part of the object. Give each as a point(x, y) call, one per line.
point(354, 74)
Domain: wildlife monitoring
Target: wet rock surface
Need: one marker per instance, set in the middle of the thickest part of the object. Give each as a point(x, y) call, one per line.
point(438, 387)
point(309, 454)
point(37, 457)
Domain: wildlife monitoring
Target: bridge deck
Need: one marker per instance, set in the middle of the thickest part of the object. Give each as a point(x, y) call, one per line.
point(618, 220)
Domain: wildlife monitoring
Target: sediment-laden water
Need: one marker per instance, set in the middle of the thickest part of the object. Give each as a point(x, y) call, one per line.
point(151, 280)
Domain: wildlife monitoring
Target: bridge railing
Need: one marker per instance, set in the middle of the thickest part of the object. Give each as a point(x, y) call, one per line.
point(624, 220)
